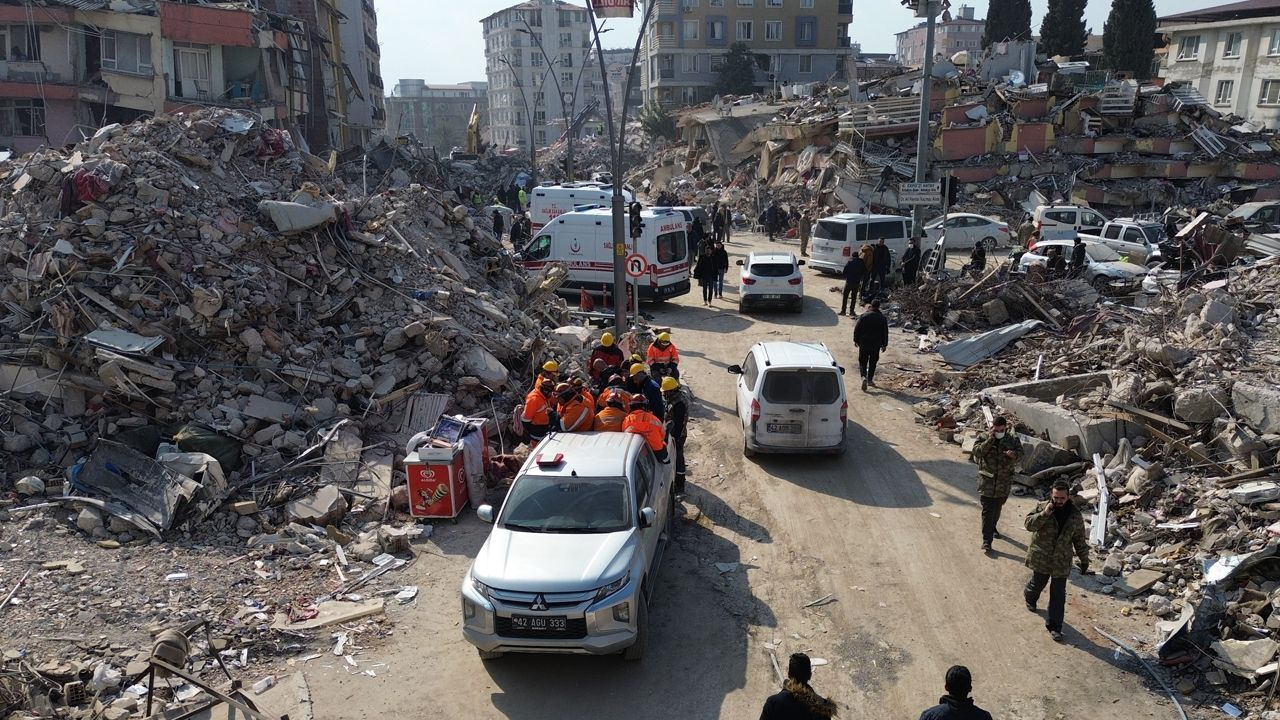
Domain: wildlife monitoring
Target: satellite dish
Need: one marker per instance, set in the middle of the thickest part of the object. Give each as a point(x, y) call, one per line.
point(1017, 79)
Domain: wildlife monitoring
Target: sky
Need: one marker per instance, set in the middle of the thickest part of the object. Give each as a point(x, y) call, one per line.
point(440, 40)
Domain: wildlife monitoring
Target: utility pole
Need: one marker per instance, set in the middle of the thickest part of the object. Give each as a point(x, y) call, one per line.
point(617, 136)
point(926, 86)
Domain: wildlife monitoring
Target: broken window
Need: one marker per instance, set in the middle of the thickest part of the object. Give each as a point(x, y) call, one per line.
point(126, 52)
point(1226, 88)
point(19, 43)
point(191, 70)
point(1231, 48)
point(22, 117)
point(1189, 47)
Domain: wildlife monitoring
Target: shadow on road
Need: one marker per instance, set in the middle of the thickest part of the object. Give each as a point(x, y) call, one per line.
point(871, 472)
point(697, 652)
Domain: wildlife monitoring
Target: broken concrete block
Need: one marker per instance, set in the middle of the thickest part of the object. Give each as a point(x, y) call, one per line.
point(395, 539)
point(1245, 655)
point(89, 519)
point(1164, 353)
point(1258, 404)
point(268, 433)
point(296, 217)
point(479, 362)
point(325, 506)
point(394, 340)
point(1199, 404)
point(252, 339)
point(414, 329)
point(28, 486)
point(997, 313)
point(1216, 312)
point(1040, 455)
point(1258, 491)
point(346, 367)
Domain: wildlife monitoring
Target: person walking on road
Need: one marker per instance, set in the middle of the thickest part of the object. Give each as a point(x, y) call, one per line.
point(705, 271)
point(804, 229)
point(498, 227)
point(956, 704)
point(677, 424)
point(722, 267)
point(717, 223)
point(996, 453)
point(911, 262)
point(871, 335)
point(881, 260)
point(798, 700)
point(853, 273)
point(1057, 529)
point(867, 256)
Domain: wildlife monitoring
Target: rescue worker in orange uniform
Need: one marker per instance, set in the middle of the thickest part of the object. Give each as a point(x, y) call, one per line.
point(615, 389)
point(647, 425)
point(663, 358)
point(587, 396)
point(538, 412)
point(550, 371)
point(610, 419)
point(575, 414)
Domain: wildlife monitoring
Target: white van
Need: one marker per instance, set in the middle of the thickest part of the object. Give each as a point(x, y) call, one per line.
point(583, 241)
point(547, 202)
point(838, 238)
point(1064, 222)
point(790, 399)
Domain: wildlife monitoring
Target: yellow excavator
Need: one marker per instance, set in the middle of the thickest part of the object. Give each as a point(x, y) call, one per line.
point(474, 147)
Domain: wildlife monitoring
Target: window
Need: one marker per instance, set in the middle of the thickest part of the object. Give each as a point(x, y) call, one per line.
point(690, 29)
point(1089, 218)
point(806, 4)
point(644, 477)
point(1226, 88)
point(806, 31)
point(688, 3)
point(715, 3)
point(773, 30)
point(535, 59)
point(566, 78)
point(19, 43)
point(1134, 235)
point(792, 387)
point(539, 117)
point(750, 372)
point(715, 30)
point(1189, 47)
point(1231, 48)
point(538, 248)
point(746, 3)
point(672, 247)
point(690, 64)
point(539, 98)
point(773, 3)
point(191, 70)
point(22, 117)
point(717, 63)
point(126, 52)
point(1270, 93)
point(542, 137)
point(1273, 47)
point(746, 30)
point(806, 64)
point(566, 59)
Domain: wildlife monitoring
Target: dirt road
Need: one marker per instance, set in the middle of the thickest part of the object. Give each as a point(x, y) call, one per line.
point(889, 530)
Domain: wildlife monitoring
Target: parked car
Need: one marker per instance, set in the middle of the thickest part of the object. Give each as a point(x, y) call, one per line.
point(790, 398)
point(1257, 213)
point(1064, 222)
point(964, 230)
point(571, 563)
point(1137, 240)
point(771, 279)
point(1103, 269)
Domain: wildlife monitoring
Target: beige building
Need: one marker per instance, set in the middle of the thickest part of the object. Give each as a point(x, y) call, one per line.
point(795, 41)
point(956, 34)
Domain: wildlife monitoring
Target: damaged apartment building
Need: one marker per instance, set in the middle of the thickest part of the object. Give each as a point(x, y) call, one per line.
point(68, 67)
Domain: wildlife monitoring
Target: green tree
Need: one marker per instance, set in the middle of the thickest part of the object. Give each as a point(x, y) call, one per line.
point(738, 74)
point(1128, 38)
point(658, 123)
point(1007, 20)
point(1062, 32)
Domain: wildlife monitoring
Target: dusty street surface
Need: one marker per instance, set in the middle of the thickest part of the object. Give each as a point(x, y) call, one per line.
point(890, 530)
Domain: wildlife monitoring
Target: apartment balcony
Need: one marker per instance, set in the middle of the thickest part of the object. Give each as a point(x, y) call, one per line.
point(844, 8)
point(661, 42)
point(375, 80)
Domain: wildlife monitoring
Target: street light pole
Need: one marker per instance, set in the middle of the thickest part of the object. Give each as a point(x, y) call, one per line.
point(926, 87)
point(533, 149)
point(616, 138)
point(564, 110)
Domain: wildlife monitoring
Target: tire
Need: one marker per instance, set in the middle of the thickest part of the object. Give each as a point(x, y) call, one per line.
point(742, 308)
point(489, 654)
point(989, 243)
point(747, 452)
point(799, 306)
point(636, 651)
point(1102, 284)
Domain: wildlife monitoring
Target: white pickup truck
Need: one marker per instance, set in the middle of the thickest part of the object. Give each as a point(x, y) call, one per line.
point(1138, 240)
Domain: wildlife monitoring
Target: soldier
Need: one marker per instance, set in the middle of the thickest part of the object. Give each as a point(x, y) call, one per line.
point(996, 453)
point(1057, 528)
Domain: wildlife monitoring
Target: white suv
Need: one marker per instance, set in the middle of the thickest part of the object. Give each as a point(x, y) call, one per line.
point(571, 563)
point(771, 279)
point(790, 398)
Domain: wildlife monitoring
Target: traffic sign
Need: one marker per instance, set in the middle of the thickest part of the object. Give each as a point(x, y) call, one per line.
point(636, 265)
point(920, 193)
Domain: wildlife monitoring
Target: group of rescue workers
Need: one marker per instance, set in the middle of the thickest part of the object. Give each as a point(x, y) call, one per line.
point(640, 395)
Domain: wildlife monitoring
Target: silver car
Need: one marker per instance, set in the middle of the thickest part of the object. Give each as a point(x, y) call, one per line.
point(1104, 269)
point(570, 565)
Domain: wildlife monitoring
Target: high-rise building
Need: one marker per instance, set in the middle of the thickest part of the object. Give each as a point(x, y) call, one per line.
point(794, 41)
point(951, 35)
point(323, 70)
point(361, 56)
point(617, 62)
point(540, 66)
point(437, 115)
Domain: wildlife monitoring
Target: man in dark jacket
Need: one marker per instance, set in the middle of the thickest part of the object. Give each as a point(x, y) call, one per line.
point(639, 383)
point(956, 704)
point(677, 424)
point(1057, 529)
point(1077, 257)
point(722, 266)
point(853, 272)
point(497, 224)
point(996, 453)
point(911, 262)
point(798, 701)
point(871, 335)
point(880, 262)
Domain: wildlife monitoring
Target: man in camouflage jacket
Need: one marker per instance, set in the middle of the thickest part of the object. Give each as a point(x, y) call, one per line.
point(996, 453)
point(1057, 531)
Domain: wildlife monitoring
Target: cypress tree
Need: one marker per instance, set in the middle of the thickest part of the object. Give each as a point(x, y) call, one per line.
point(1062, 31)
point(1007, 20)
point(1128, 38)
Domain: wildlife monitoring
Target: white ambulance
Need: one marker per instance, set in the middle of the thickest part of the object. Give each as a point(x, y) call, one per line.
point(547, 202)
point(658, 262)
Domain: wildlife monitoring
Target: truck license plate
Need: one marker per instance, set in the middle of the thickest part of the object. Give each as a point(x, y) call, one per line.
point(783, 428)
point(539, 623)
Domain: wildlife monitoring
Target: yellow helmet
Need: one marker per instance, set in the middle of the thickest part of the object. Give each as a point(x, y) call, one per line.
point(669, 383)
point(551, 366)
point(664, 337)
point(636, 369)
point(607, 339)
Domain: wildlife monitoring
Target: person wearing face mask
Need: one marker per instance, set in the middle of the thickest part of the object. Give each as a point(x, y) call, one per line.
point(996, 453)
point(1057, 529)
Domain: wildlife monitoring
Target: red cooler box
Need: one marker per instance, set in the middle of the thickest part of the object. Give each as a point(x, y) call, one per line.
point(437, 482)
